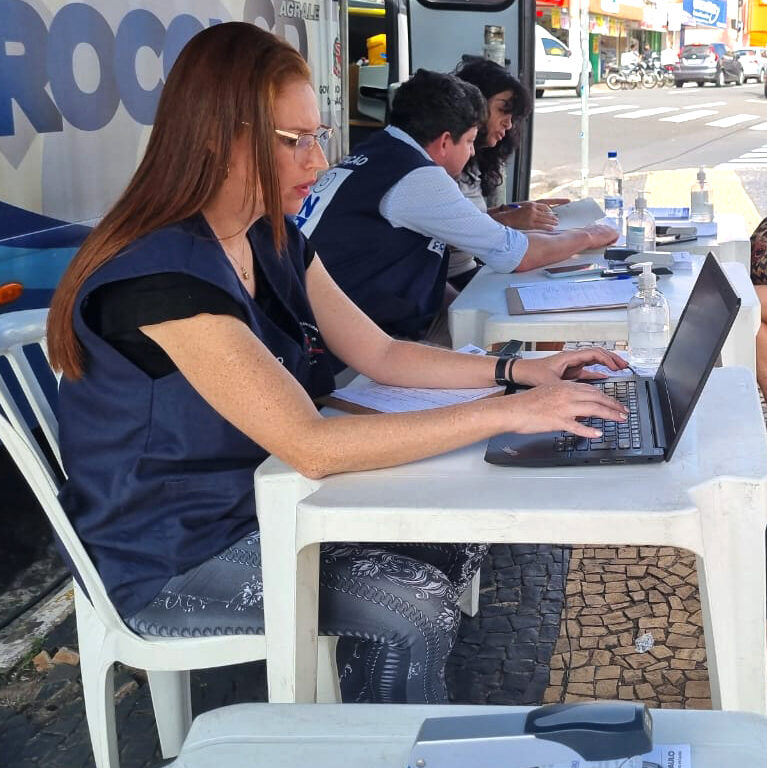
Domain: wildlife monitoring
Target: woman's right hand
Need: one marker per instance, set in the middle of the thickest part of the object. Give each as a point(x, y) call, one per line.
point(556, 407)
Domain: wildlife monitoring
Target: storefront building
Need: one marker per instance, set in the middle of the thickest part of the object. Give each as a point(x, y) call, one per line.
point(613, 26)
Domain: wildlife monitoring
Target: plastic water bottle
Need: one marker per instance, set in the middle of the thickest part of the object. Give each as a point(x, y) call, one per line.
point(648, 321)
point(613, 199)
point(701, 199)
point(640, 227)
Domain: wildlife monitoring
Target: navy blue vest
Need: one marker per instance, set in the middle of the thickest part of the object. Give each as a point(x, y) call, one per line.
point(396, 276)
point(158, 481)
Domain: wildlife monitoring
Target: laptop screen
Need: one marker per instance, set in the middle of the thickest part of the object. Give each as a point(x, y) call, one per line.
point(695, 346)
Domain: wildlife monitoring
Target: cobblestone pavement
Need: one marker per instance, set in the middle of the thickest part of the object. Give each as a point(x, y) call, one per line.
point(632, 629)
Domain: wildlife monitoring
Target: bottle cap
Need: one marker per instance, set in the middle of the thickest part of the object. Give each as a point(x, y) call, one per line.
point(701, 174)
point(612, 153)
point(646, 279)
point(640, 203)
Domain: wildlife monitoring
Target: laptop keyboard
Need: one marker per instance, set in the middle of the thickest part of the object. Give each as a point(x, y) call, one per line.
point(615, 434)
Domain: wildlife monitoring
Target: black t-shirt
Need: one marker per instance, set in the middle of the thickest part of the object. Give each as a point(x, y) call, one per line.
point(115, 311)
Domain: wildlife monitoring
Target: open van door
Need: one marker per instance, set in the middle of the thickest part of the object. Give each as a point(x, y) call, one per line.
point(442, 31)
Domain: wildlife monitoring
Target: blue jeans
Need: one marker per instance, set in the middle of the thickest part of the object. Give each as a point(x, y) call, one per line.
point(393, 607)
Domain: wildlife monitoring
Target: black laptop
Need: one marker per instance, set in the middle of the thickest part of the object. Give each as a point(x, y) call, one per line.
point(659, 407)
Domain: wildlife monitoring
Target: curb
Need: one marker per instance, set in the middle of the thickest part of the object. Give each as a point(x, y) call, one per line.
point(20, 637)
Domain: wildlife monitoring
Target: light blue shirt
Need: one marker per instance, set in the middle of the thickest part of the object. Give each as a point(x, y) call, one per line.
point(428, 201)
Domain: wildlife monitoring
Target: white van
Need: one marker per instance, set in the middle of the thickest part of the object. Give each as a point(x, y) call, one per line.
point(555, 64)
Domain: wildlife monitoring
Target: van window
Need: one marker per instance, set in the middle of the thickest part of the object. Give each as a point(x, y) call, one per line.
point(467, 5)
point(553, 48)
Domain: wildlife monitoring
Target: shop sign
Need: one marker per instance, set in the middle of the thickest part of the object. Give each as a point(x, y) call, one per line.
point(709, 13)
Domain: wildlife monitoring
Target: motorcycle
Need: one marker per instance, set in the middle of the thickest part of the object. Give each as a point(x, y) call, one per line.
point(623, 77)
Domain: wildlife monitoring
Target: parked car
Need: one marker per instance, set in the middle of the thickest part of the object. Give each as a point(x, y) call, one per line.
point(555, 65)
point(753, 62)
point(708, 63)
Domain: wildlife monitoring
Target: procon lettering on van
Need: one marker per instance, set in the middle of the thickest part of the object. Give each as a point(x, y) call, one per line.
point(77, 68)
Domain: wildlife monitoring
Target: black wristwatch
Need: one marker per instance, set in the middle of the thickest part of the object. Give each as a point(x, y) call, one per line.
point(503, 376)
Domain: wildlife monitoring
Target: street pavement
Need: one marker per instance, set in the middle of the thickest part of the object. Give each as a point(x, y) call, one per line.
point(663, 134)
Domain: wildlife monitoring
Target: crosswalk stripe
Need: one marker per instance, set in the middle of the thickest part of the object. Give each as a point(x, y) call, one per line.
point(647, 112)
point(755, 101)
point(726, 122)
point(603, 110)
point(564, 106)
point(705, 105)
point(687, 116)
point(758, 127)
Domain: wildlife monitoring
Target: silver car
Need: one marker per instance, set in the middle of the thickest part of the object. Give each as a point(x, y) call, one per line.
point(753, 62)
point(708, 63)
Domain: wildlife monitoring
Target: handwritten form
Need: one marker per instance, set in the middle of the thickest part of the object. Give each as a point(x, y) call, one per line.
point(550, 296)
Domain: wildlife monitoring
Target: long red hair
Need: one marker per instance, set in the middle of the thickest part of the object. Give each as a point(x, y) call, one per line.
point(225, 76)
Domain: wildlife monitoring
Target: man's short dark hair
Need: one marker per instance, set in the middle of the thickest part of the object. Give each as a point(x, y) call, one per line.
point(431, 103)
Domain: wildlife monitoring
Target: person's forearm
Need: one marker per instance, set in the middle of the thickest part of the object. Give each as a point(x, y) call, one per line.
point(356, 443)
point(407, 364)
point(548, 249)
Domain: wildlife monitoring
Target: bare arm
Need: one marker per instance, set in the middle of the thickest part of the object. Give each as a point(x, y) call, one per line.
point(544, 249)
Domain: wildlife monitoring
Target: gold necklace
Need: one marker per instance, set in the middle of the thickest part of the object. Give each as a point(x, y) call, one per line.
point(239, 263)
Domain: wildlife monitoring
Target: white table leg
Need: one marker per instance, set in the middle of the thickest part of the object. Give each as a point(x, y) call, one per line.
point(290, 593)
point(740, 345)
point(732, 589)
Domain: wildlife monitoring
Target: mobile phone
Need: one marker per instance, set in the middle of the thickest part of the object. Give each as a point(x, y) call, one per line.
point(573, 270)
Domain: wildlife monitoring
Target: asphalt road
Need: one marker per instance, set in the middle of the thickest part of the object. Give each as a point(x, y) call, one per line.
point(653, 130)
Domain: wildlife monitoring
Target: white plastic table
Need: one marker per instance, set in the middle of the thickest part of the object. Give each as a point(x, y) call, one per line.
point(731, 243)
point(381, 735)
point(480, 315)
point(710, 499)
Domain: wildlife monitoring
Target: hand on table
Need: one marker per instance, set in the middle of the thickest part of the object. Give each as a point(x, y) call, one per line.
point(528, 215)
point(600, 235)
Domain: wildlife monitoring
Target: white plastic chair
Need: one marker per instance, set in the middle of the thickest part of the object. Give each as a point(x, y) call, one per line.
point(102, 635)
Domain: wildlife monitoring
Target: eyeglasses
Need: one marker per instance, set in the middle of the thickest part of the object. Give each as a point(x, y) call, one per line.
point(304, 143)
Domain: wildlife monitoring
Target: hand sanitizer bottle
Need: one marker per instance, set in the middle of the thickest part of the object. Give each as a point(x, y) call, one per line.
point(640, 227)
point(648, 321)
point(701, 199)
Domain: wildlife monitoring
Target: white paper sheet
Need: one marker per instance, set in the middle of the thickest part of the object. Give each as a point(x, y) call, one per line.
point(387, 399)
point(540, 297)
point(578, 213)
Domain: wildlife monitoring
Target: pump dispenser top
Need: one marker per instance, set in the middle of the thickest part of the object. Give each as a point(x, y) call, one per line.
point(647, 279)
point(701, 174)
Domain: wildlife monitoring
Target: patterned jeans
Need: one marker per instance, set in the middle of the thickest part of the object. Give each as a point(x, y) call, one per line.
point(394, 608)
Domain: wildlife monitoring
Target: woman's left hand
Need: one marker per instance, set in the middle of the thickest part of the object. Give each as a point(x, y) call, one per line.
point(566, 365)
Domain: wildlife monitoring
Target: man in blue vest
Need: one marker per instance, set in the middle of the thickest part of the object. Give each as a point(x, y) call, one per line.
point(381, 219)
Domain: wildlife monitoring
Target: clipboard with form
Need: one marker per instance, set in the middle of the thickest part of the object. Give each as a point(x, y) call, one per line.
point(569, 297)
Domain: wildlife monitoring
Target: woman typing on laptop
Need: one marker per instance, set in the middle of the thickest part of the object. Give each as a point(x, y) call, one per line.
point(192, 328)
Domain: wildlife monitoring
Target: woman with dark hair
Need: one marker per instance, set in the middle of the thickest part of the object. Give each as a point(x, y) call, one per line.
point(508, 103)
point(191, 329)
